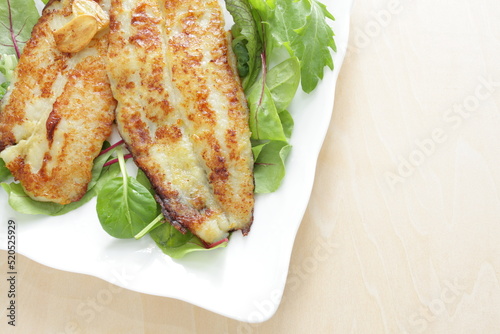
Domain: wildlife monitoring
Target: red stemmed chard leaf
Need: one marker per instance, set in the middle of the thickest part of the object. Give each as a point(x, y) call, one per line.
point(17, 18)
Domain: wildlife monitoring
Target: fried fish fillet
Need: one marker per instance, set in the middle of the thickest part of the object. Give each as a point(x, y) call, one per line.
point(182, 112)
point(58, 111)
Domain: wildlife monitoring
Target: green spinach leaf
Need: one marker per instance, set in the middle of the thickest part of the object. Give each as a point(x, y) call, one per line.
point(142, 178)
point(177, 245)
point(125, 206)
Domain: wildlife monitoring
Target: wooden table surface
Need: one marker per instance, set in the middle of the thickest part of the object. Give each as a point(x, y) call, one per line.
point(406, 198)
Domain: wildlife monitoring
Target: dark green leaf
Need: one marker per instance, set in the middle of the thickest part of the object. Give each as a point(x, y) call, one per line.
point(177, 245)
point(247, 43)
point(143, 179)
point(157, 222)
point(242, 58)
point(124, 208)
point(98, 168)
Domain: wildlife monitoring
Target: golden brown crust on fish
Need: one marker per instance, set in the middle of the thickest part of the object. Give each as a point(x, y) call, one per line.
point(203, 70)
point(57, 113)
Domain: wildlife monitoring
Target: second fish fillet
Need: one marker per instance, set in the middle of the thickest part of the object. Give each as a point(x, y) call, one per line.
point(182, 112)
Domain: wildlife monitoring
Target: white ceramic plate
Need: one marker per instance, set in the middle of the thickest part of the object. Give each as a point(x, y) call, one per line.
point(244, 281)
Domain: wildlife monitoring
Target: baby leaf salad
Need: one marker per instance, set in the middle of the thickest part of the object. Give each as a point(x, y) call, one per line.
point(280, 45)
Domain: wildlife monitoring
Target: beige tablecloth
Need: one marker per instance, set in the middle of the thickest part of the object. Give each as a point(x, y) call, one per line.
point(402, 233)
